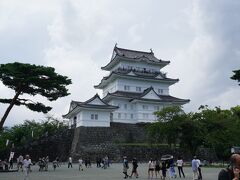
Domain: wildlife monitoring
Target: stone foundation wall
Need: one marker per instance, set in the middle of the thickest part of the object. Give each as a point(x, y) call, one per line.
point(100, 141)
point(92, 142)
point(57, 145)
point(122, 140)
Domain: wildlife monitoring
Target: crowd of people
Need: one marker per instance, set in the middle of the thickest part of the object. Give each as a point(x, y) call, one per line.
point(100, 162)
point(23, 164)
point(43, 163)
point(156, 168)
point(103, 162)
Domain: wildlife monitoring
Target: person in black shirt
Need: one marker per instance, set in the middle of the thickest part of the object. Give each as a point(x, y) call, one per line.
point(125, 167)
point(233, 171)
point(134, 168)
point(164, 169)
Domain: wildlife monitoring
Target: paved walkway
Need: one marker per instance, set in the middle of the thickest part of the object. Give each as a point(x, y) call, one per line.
point(112, 173)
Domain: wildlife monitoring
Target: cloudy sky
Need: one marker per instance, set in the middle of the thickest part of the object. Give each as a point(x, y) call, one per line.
point(200, 37)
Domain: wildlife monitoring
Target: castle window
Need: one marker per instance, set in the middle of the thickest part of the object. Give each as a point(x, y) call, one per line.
point(119, 115)
point(160, 91)
point(145, 115)
point(138, 89)
point(129, 67)
point(145, 107)
point(125, 115)
point(156, 108)
point(125, 106)
point(94, 116)
point(131, 107)
point(131, 116)
point(126, 88)
point(119, 105)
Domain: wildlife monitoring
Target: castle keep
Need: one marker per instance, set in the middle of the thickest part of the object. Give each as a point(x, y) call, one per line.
point(135, 88)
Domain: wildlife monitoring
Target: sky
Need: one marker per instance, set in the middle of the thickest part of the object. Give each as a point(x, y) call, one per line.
point(200, 37)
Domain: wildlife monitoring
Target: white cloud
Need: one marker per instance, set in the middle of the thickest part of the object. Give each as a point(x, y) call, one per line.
point(210, 57)
point(76, 37)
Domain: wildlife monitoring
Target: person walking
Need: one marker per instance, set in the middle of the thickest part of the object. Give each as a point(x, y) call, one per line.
point(11, 163)
point(80, 163)
point(26, 167)
point(1, 165)
point(104, 162)
point(5, 162)
point(164, 170)
point(58, 162)
point(134, 168)
point(40, 164)
point(157, 168)
point(70, 162)
point(98, 162)
point(107, 161)
point(180, 166)
point(199, 169)
point(125, 167)
point(195, 168)
point(54, 164)
point(46, 163)
point(20, 162)
point(43, 163)
point(151, 167)
point(172, 172)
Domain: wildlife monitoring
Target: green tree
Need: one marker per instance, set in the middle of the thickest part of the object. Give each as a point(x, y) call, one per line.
point(219, 129)
point(167, 129)
point(169, 113)
point(190, 133)
point(211, 128)
point(33, 80)
point(236, 75)
point(30, 130)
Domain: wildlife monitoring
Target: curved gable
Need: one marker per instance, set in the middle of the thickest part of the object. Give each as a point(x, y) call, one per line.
point(151, 95)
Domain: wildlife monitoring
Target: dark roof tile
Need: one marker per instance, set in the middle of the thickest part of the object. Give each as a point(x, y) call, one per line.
point(133, 54)
point(138, 96)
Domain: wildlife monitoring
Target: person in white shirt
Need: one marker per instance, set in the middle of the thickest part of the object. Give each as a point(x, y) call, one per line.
point(26, 167)
point(180, 167)
point(80, 161)
point(151, 168)
point(20, 162)
point(70, 162)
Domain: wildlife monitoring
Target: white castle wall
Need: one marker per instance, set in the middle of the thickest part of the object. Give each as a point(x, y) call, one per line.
point(126, 111)
point(83, 118)
point(118, 85)
point(137, 66)
point(131, 112)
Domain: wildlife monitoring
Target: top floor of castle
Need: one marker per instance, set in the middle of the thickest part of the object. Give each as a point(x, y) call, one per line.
point(136, 61)
point(135, 71)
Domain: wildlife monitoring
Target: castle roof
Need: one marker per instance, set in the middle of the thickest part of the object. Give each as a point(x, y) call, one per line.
point(133, 74)
point(145, 96)
point(134, 56)
point(93, 103)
